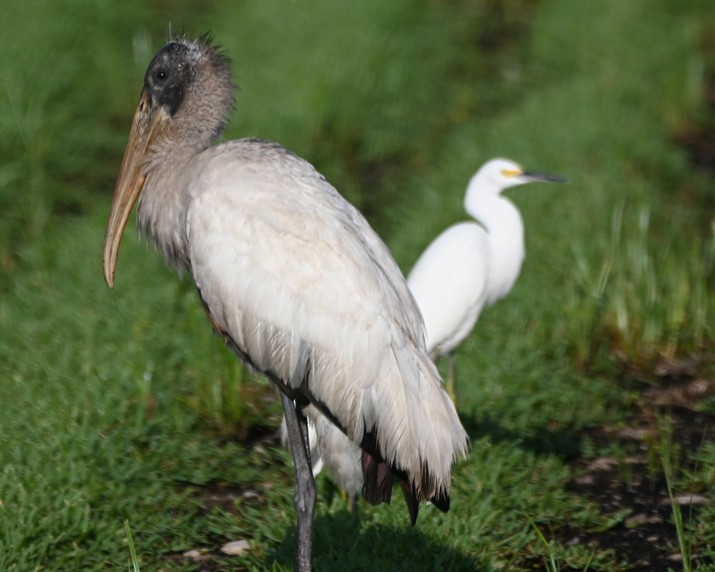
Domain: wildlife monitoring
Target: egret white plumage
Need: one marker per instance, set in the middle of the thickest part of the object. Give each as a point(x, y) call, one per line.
point(472, 264)
point(293, 278)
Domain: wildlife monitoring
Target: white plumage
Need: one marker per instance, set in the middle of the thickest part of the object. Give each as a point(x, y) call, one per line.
point(472, 264)
point(467, 267)
point(309, 294)
point(457, 260)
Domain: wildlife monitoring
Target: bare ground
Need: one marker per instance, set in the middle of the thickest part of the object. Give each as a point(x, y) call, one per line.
point(630, 484)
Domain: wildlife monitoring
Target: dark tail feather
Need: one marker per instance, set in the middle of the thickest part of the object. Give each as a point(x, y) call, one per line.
point(411, 499)
point(441, 501)
point(377, 485)
point(377, 480)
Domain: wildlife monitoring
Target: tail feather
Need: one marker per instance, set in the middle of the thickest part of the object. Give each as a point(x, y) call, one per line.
point(401, 417)
point(411, 499)
point(429, 437)
point(441, 501)
point(377, 480)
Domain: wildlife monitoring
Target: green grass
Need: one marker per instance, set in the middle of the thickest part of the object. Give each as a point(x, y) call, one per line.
point(132, 550)
point(121, 406)
point(649, 299)
point(684, 540)
point(551, 558)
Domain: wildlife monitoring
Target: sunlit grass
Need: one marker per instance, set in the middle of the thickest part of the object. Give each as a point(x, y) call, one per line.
point(132, 549)
point(552, 560)
point(649, 298)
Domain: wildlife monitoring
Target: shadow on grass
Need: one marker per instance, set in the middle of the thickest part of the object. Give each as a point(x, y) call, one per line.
point(341, 542)
point(563, 441)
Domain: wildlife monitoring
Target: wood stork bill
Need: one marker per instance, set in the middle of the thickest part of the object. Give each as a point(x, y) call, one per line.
point(472, 264)
point(293, 278)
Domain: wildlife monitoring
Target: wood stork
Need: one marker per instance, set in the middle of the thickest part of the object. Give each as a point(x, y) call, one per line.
point(467, 267)
point(292, 276)
point(472, 264)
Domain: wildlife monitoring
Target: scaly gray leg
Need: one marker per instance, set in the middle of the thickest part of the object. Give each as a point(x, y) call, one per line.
point(304, 483)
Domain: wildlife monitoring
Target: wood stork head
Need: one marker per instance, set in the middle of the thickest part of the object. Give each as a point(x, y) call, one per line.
point(184, 104)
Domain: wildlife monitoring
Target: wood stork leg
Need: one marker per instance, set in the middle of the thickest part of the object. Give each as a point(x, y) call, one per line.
point(304, 482)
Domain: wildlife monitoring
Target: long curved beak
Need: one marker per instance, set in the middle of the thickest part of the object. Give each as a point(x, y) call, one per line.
point(148, 122)
point(545, 177)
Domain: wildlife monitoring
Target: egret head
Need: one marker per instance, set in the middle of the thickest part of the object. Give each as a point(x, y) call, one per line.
point(495, 176)
point(499, 174)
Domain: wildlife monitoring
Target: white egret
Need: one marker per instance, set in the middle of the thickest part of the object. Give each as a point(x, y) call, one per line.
point(293, 278)
point(472, 264)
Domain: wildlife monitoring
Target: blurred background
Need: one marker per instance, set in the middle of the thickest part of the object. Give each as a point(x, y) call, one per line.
point(120, 406)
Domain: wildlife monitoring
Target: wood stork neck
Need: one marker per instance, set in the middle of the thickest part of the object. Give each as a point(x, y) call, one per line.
point(191, 82)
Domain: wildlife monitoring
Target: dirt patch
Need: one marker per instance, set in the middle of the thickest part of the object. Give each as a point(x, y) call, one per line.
point(628, 483)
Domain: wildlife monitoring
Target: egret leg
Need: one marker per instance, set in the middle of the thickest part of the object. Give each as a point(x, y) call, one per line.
point(451, 375)
point(350, 500)
point(305, 494)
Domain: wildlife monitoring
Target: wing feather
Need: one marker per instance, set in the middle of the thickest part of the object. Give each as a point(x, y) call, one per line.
point(302, 285)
